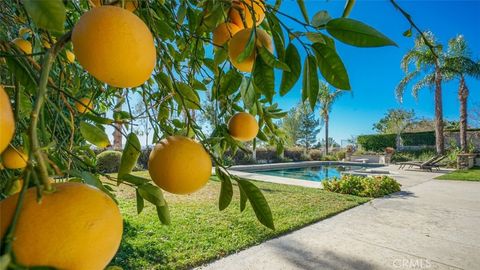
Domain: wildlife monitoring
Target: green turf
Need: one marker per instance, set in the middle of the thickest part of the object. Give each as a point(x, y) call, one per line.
point(462, 175)
point(200, 232)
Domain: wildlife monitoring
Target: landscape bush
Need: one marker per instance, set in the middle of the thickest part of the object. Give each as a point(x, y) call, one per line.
point(364, 186)
point(316, 154)
point(109, 161)
point(417, 155)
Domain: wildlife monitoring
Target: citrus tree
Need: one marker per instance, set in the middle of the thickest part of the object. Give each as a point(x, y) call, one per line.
point(66, 65)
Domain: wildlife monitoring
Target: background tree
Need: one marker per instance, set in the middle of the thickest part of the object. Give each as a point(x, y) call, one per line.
point(394, 121)
point(290, 125)
point(427, 62)
point(326, 98)
point(308, 128)
point(459, 64)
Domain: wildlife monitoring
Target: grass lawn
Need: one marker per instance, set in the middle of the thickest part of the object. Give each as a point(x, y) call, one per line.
point(200, 232)
point(463, 175)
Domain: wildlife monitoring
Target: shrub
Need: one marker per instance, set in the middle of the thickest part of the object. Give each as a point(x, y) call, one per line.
point(330, 157)
point(418, 155)
point(315, 154)
point(378, 142)
point(341, 155)
point(294, 153)
point(109, 161)
point(377, 186)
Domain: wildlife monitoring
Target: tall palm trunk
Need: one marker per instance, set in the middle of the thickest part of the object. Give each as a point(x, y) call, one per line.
point(326, 133)
point(439, 139)
point(463, 96)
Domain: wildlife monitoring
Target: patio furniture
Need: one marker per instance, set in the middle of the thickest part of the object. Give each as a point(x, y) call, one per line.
point(465, 161)
point(363, 160)
point(425, 165)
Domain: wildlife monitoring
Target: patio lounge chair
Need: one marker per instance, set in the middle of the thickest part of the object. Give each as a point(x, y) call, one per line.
point(425, 165)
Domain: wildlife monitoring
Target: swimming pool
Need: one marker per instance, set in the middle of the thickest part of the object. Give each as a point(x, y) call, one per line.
point(313, 173)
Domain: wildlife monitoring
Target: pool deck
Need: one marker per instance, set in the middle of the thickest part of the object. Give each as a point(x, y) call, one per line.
point(430, 224)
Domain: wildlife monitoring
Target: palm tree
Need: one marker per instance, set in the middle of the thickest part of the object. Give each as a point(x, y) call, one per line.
point(458, 65)
point(427, 63)
point(326, 98)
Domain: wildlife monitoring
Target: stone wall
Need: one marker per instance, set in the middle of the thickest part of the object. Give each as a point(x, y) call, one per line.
point(473, 137)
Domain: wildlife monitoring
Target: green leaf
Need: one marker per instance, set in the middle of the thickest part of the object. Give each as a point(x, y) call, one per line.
point(249, 47)
point(164, 30)
point(98, 119)
point(243, 198)
point(321, 18)
point(130, 155)
point(49, 15)
point(226, 191)
point(140, 201)
point(136, 180)
point(303, 9)
point(190, 96)
point(331, 66)
point(310, 80)
point(348, 8)
point(94, 135)
point(22, 74)
point(407, 33)
point(270, 59)
point(292, 59)
point(93, 180)
point(152, 194)
point(357, 34)
point(230, 82)
point(247, 92)
point(264, 78)
point(258, 202)
point(165, 80)
point(5, 260)
point(277, 35)
point(163, 214)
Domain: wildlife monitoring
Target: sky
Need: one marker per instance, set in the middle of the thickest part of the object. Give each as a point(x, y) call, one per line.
point(374, 72)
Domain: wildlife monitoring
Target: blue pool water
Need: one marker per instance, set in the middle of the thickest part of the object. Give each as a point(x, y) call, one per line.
point(317, 173)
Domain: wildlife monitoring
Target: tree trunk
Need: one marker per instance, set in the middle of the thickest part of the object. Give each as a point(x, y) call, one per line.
point(439, 139)
point(326, 134)
point(463, 96)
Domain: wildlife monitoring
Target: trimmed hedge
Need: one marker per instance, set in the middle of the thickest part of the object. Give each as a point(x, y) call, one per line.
point(378, 142)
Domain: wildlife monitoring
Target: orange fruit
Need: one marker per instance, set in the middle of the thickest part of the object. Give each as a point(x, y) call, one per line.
point(179, 165)
point(237, 45)
point(24, 45)
point(246, 7)
point(14, 158)
point(130, 5)
point(76, 227)
point(86, 105)
point(224, 33)
point(115, 46)
point(243, 127)
point(7, 121)
point(70, 56)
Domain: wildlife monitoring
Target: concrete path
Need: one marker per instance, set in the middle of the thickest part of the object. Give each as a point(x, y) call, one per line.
point(431, 224)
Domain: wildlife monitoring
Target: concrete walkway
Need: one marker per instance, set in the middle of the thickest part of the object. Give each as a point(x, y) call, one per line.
point(431, 224)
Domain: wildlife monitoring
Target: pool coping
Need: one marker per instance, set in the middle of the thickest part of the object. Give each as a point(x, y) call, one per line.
point(248, 171)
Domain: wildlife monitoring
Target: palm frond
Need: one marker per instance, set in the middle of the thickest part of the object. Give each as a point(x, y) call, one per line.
point(402, 85)
point(427, 81)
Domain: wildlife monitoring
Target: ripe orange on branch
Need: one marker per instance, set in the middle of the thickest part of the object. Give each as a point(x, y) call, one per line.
point(7, 121)
point(179, 165)
point(14, 158)
point(23, 45)
point(224, 33)
point(115, 46)
point(76, 227)
point(243, 127)
point(237, 45)
point(249, 8)
point(85, 105)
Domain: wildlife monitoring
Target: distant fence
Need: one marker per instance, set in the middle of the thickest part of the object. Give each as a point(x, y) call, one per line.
point(416, 140)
